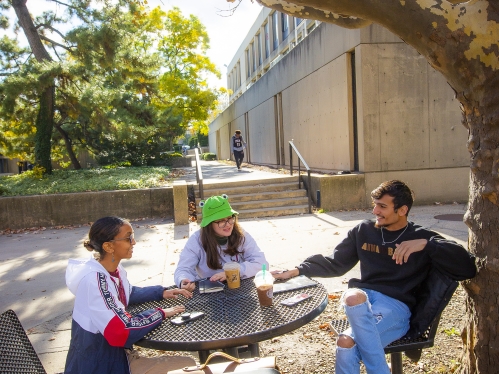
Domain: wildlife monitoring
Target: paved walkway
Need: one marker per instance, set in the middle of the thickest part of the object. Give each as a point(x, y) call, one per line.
point(216, 172)
point(32, 264)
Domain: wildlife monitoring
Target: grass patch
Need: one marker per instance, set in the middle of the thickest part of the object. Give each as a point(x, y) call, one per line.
point(66, 181)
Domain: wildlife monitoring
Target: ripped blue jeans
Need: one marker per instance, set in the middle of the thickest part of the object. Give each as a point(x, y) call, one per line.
point(373, 325)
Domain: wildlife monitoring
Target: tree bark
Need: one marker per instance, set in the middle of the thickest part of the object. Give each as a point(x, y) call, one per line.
point(69, 147)
point(44, 126)
point(461, 41)
point(45, 117)
point(481, 334)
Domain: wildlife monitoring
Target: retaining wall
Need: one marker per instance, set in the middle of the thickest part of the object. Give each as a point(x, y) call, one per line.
point(78, 208)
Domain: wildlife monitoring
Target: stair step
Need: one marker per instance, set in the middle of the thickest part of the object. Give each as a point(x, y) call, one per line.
point(264, 196)
point(272, 203)
point(222, 184)
point(255, 188)
point(259, 198)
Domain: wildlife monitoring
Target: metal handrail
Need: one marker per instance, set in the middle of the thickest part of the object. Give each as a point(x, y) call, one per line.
point(300, 158)
point(199, 174)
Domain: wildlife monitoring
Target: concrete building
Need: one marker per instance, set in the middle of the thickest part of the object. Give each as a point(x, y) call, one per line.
point(10, 166)
point(361, 101)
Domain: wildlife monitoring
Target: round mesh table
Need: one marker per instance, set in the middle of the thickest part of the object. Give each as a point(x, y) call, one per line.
point(232, 318)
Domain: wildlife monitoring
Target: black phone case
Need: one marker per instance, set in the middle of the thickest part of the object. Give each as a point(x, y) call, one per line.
point(180, 321)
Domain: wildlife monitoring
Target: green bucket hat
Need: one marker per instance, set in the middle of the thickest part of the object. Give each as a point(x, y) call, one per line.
point(215, 208)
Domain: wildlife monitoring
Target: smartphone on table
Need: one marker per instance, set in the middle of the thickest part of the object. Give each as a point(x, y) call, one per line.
point(293, 300)
point(186, 317)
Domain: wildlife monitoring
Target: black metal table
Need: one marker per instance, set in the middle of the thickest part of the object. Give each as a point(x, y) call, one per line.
point(232, 318)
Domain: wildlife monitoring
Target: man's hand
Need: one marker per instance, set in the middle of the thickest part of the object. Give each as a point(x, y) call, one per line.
point(186, 284)
point(218, 277)
point(277, 274)
point(404, 249)
point(172, 294)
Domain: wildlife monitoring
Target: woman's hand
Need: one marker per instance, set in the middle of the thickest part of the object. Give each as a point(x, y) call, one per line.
point(174, 310)
point(186, 284)
point(277, 274)
point(172, 294)
point(218, 277)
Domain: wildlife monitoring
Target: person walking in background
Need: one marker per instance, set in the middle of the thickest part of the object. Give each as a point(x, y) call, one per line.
point(237, 146)
point(395, 257)
point(102, 329)
point(219, 240)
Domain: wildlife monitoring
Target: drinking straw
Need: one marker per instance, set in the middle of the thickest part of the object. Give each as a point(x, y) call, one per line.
point(263, 270)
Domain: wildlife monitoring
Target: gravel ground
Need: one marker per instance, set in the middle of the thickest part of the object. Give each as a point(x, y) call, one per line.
point(310, 349)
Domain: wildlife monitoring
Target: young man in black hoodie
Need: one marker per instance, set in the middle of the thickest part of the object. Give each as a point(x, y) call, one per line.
point(395, 256)
point(237, 145)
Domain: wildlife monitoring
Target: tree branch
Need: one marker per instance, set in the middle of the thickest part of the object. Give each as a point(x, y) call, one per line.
point(302, 11)
point(43, 37)
point(51, 28)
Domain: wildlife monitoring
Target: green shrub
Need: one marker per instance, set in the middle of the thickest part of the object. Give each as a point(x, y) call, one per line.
point(123, 164)
point(3, 190)
point(209, 156)
point(97, 179)
point(199, 138)
point(193, 142)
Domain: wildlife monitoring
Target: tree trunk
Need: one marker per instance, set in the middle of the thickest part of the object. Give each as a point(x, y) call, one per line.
point(44, 127)
point(68, 143)
point(45, 117)
point(481, 333)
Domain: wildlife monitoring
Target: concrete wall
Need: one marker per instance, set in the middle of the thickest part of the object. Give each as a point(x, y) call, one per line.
point(78, 208)
point(408, 123)
point(340, 191)
point(408, 118)
point(316, 116)
point(430, 185)
point(262, 134)
point(353, 191)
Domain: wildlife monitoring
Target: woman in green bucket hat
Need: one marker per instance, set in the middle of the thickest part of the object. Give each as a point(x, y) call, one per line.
point(220, 240)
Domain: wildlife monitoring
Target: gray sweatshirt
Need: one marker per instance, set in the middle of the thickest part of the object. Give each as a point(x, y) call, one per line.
point(192, 264)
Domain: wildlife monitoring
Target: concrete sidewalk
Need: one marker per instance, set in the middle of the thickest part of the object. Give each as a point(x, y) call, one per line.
point(32, 264)
point(216, 171)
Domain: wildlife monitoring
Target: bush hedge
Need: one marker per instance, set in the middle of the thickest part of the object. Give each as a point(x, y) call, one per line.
point(209, 156)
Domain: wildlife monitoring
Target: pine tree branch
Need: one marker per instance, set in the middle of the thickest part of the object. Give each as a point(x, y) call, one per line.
point(54, 43)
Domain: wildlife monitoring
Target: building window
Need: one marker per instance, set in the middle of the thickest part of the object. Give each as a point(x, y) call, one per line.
point(259, 48)
point(275, 29)
point(238, 74)
point(298, 21)
point(311, 27)
point(267, 40)
point(253, 57)
point(248, 69)
point(285, 26)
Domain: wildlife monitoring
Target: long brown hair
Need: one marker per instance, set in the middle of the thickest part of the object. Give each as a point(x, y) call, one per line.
point(210, 244)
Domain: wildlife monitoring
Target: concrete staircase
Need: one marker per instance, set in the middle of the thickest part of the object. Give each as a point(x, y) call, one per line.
point(259, 198)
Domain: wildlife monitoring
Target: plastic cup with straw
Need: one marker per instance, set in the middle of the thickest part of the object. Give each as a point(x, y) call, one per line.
point(264, 282)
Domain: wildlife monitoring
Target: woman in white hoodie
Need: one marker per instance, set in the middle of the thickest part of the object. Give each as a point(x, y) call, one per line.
point(101, 327)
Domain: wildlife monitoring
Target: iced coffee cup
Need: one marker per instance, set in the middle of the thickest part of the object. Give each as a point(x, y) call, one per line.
point(264, 282)
point(231, 270)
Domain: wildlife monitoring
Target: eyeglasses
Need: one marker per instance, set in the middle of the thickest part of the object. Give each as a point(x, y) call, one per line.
point(222, 223)
point(131, 238)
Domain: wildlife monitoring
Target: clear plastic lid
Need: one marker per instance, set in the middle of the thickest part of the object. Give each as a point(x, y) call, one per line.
point(263, 277)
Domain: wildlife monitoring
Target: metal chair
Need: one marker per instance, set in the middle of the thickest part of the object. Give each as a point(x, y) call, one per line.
point(17, 355)
point(432, 297)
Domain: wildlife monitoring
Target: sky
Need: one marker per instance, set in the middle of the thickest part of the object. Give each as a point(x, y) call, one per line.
point(226, 33)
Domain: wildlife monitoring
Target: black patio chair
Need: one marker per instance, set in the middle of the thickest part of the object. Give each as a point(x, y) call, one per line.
point(432, 297)
point(17, 355)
